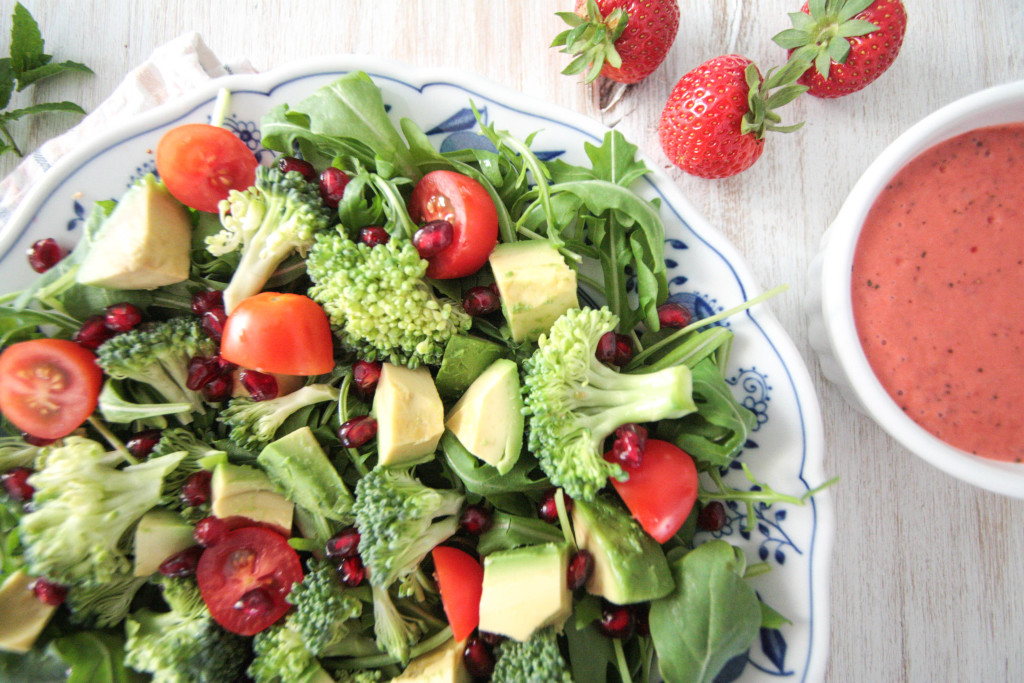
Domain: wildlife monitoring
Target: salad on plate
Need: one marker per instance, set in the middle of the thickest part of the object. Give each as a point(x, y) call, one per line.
point(372, 410)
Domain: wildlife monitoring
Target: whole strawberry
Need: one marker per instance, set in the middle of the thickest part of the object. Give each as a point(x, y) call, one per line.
point(850, 42)
point(714, 122)
point(623, 40)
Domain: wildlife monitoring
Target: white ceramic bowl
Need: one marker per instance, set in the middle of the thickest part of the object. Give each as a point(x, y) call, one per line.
point(832, 330)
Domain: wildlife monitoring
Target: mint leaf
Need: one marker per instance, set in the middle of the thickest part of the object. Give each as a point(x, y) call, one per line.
point(31, 76)
point(26, 42)
point(6, 81)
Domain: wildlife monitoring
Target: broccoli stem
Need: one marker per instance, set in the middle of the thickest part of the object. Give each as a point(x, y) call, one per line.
point(382, 660)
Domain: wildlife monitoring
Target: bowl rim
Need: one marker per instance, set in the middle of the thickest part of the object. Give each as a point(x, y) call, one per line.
point(998, 104)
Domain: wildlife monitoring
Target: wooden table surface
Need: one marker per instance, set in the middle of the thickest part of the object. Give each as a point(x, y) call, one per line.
point(928, 573)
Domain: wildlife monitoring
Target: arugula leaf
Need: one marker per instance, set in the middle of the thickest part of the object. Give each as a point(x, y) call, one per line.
point(95, 657)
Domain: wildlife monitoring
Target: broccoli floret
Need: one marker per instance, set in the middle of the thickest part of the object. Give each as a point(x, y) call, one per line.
point(282, 657)
point(573, 401)
point(277, 216)
point(254, 423)
point(83, 506)
point(537, 660)
point(16, 452)
point(158, 354)
point(185, 644)
point(179, 440)
point(324, 610)
point(395, 633)
point(400, 520)
point(359, 676)
point(105, 604)
point(379, 301)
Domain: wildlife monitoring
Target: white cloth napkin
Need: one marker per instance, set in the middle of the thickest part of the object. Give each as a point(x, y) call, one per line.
point(173, 69)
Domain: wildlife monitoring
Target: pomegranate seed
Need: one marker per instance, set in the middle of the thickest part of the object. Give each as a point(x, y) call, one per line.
point(581, 567)
point(213, 323)
point(48, 592)
point(208, 300)
point(93, 332)
point(351, 571)
point(122, 317)
point(366, 374)
point(289, 164)
point(357, 431)
point(181, 563)
point(674, 315)
point(433, 238)
point(196, 489)
point(478, 658)
point(260, 385)
point(210, 531)
point(628, 449)
point(255, 603)
point(476, 519)
point(617, 621)
point(37, 441)
point(44, 254)
point(343, 544)
point(480, 301)
point(712, 516)
point(218, 389)
point(141, 444)
point(332, 186)
point(201, 371)
point(614, 349)
point(374, 236)
point(547, 509)
point(15, 482)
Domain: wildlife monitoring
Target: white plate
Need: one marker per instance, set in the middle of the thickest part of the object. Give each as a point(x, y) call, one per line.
point(705, 270)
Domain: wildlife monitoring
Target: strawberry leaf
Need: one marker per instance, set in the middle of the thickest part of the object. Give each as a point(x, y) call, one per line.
point(851, 9)
point(822, 63)
point(856, 27)
point(839, 50)
point(791, 38)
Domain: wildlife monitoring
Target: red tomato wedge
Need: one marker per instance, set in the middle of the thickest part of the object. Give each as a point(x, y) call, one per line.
point(463, 202)
point(245, 577)
point(461, 581)
point(285, 334)
point(661, 491)
point(200, 164)
point(48, 387)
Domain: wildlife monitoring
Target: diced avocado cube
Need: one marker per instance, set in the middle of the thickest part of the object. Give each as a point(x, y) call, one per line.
point(144, 243)
point(465, 358)
point(525, 589)
point(535, 284)
point(299, 468)
point(23, 616)
point(410, 415)
point(443, 664)
point(488, 419)
point(629, 565)
point(241, 491)
point(159, 534)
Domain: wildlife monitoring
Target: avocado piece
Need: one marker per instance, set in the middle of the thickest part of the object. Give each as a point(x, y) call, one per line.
point(525, 589)
point(410, 415)
point(443, 664)
point(299, 468)
point(159, 534)
point(465, 358)
point(535, 284)
point(22, 615)
point(144, 243)
point(242, 491)
point(629, 565)
point(488, 419)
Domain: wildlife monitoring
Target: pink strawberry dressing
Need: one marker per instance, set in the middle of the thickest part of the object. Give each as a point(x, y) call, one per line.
point(938, 291)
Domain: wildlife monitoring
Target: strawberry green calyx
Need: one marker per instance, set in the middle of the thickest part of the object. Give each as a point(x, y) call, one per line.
point(822, 36)
point(766, 95)
point(591, 39)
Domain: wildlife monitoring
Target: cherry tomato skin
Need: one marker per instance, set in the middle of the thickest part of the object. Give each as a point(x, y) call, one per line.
point(48, 387)
point(200, 164)
point(245, 560)
point(460, 579)
point(661, 491)
point(463, 202)
point(286, 334)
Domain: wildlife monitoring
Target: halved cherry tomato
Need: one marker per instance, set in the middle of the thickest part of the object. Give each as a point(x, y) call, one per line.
point(245, 577)
point(661, 491)
point(460, 579)
point(463, 202)
point(280, 333)
point(48, 387)
point(200, 164)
